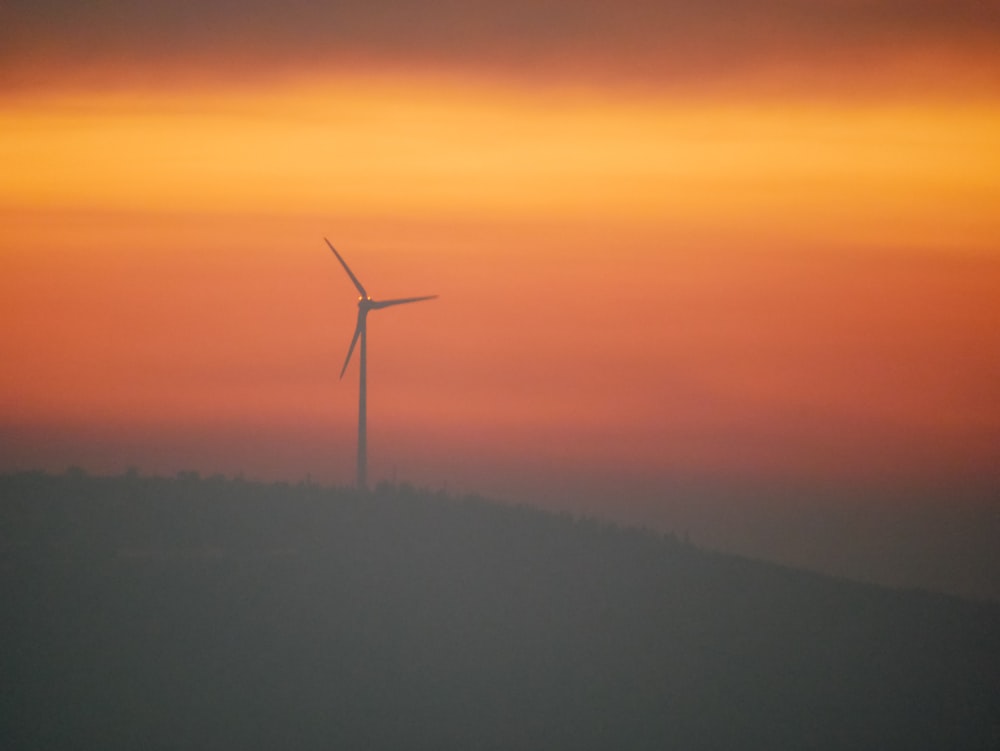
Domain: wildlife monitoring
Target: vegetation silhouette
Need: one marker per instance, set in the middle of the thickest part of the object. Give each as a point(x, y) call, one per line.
point(143, 612)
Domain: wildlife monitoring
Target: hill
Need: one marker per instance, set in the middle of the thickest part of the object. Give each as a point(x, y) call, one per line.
point(221, 614)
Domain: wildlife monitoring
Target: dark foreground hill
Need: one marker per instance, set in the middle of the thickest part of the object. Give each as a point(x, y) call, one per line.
point(218, 614)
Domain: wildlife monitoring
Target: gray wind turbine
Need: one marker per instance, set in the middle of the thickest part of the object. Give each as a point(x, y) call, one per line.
point(365, 304)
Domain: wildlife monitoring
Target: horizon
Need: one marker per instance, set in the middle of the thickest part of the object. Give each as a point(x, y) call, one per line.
point(888, 550)
point(727, 269)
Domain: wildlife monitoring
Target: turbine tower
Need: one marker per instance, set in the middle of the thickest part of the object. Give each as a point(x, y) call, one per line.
point(365, 304)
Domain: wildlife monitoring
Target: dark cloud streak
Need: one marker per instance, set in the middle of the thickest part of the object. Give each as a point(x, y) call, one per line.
point(632, 40)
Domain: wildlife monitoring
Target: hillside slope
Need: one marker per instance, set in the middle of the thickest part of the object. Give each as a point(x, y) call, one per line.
point(221, 614)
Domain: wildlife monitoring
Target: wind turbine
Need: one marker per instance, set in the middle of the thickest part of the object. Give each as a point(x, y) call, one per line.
point(365, 304)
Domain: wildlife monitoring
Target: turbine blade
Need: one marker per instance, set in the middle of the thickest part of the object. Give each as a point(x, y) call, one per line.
point(348, 270)
point(354, 341)
point(400, 301)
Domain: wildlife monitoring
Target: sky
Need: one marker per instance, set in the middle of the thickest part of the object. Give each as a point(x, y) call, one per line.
point(727, 268)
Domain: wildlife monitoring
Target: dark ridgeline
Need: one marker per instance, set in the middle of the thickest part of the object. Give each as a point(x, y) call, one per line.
point(221, 614)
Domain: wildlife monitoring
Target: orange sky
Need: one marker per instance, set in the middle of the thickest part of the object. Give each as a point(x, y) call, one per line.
point(758, 263)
